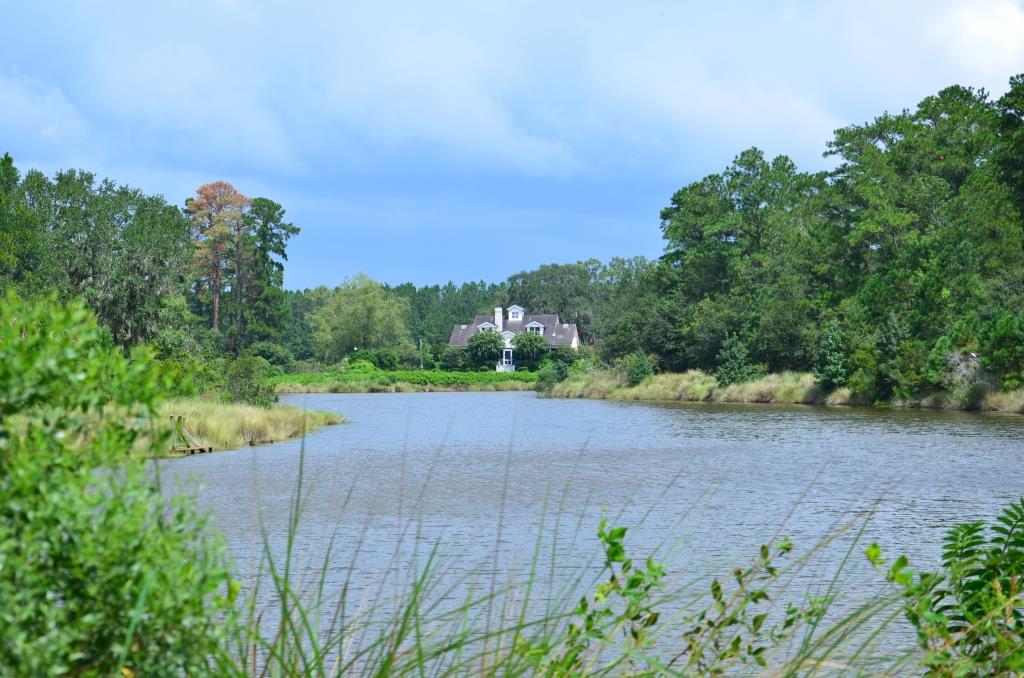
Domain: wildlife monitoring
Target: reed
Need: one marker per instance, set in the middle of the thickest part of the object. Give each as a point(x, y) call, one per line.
point(226, 426)
point(1004, 401)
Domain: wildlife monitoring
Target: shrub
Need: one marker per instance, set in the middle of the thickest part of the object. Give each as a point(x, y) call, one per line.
point(547, 376)
point(969, 616)
point(638, 367)
point(530, 349)
point(275, 354)
point(99, 576)
point(246, 381)
point(484, 349)
point(734, 364)
point(453, 358)
point(830, 358)
point(385, 359)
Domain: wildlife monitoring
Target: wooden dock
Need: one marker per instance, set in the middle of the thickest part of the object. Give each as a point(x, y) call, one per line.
point(184, 442)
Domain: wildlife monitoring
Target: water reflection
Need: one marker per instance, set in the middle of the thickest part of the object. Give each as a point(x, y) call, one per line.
point(485, 474)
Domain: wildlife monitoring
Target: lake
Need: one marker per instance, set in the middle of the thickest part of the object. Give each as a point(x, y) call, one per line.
point(484, 475)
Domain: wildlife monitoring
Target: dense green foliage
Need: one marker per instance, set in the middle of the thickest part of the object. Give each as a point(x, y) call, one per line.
point(734, 363)
point(484, 349)
point(246, 380)
point(98, 573)
point(530, 350)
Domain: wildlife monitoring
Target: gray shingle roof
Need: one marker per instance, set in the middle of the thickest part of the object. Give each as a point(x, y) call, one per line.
point(556, 333)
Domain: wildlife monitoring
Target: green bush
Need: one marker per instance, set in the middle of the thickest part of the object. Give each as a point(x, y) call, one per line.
point(830, 358)
point(638, 367)
point(247, 381)
point(969, 617)
point(385, 359)
point(453, 358)
point(98, 574)
point(734, 364)
point(530, 349)
point(484, 349)
point(275, 354)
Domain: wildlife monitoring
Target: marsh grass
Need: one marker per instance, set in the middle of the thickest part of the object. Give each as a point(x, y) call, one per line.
point(1012, 401)
point(226, 426)
point(797, 388)
point(693, 386)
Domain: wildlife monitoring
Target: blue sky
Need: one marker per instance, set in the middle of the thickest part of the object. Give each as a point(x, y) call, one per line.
point(428, 142)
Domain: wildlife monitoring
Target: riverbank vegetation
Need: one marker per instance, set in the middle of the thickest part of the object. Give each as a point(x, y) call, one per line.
point(228, 426)
point(145, 588)
point(801, 388)
point(364, 378)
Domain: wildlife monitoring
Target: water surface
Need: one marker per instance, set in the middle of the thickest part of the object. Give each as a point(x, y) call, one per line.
point(703, 486)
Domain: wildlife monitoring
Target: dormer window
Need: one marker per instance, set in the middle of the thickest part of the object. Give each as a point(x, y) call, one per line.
point(515, 313)
point(486, 326)
point(535, 327)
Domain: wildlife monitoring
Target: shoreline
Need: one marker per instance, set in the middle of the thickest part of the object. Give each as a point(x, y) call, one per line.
point(400, 387)
point(783, 388)
point(231, 426)
point(401, 381)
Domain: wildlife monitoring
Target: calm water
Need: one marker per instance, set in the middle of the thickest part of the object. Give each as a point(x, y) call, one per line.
point(701, 485)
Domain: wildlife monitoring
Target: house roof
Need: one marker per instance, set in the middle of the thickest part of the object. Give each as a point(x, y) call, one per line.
point(556, 333)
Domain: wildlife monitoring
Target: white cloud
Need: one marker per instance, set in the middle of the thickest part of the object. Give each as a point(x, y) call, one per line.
point(200, 91)
point(38, 120)
point(983, 38)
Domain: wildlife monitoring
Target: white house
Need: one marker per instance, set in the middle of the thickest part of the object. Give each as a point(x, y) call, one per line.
point(510, 323)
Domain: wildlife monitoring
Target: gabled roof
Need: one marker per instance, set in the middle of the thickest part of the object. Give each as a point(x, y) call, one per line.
point(556, 333)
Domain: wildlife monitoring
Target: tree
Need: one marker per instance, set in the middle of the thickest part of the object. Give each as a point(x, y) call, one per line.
point(830, 358)
point(484, 349)
point(265, 309)
point(120, 250)
point(247, 381)
point(218, 222)
point(734, 364)
point(360, 314)
point(570, 290)
point(530, 349)
point(22, 234)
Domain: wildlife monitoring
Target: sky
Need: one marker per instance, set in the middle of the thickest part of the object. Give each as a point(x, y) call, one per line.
point(428, 142)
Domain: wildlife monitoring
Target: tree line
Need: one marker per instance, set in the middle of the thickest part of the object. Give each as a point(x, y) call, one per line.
point(891, 273)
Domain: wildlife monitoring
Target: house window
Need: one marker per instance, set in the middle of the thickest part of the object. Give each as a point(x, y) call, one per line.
point(536, 329)
point(513, 315)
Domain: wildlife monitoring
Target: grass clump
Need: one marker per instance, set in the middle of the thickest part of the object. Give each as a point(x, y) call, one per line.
point(783, 387)
point(226, 426)
point(692, 386)
point(1009, 401)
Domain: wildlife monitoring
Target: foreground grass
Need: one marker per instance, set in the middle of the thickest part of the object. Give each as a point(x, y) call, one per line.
point(402, 381)
point(784, 387)
point(232, 425)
